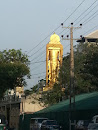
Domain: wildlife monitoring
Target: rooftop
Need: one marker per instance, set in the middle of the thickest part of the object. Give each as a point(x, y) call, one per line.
point(93, 35)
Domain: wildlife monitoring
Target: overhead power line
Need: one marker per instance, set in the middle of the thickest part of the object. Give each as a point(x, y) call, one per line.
point(42, 55)
point(86, 11)
point(57, 27)
point(37, 56)
point(38, 73)
point(90, 30)
point(62, 31)
point(75, 10)
point(36, 66)
point(38, 51)
point(36, 77)
point(64, 48)
point(38, 62)
point(59, 33)
point(91, 18)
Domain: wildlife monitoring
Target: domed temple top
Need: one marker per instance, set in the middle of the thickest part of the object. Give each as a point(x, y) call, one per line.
point(54, 39)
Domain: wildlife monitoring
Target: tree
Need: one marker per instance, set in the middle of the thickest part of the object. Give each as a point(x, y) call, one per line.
point(34, 88)
point(27, 92)
point(90, 70)
point(14, 66)
point(86, 73)
point(53, 96)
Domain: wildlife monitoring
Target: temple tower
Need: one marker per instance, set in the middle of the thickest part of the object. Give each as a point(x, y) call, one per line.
point(54, 53)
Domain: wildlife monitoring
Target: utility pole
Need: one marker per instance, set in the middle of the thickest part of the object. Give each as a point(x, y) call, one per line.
point(38, 83)
point(72, 87)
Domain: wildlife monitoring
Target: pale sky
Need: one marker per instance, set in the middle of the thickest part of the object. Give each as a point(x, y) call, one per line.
point(25, 23)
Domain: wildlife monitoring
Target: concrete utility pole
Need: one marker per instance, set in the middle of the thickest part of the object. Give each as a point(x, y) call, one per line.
point(72, 88)
point(38, 83)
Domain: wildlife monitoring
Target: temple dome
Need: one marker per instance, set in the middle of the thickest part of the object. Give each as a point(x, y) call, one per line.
point(55, 39)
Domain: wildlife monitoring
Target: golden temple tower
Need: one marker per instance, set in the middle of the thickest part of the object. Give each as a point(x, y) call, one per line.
point(54, 53)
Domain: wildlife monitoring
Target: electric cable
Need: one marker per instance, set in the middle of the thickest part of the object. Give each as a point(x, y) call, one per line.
point(90, 17)
point(42, 47)
point(74, 10)
point(41, 53)
point(36, 66)
point(36, 77)
point(90, 30)
point(44, 61)
point(86, 11)
point(58, 26)
point(38, 62)
point(75, 20)
point(38, 73)
point(38, 56)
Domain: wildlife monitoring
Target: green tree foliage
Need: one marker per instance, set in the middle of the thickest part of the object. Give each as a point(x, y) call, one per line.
point(27, 92)
point(86, 73)
point(14, 66)
point(53, 96)
point(86, 68)
point(34, 88)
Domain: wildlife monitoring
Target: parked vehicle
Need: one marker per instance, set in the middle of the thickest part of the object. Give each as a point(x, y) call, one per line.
point(82, 125)
point(50, 125)
point(95, 119)
point(35, 123)
point(93, 125)
point(2, 122)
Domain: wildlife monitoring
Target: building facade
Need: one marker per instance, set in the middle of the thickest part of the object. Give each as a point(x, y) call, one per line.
point(12, 106)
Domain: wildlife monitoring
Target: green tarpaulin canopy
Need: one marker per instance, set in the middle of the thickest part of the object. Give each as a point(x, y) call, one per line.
point(86, 107)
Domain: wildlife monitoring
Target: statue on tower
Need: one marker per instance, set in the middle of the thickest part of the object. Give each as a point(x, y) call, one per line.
point(54, 53)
